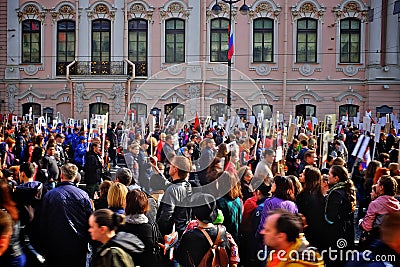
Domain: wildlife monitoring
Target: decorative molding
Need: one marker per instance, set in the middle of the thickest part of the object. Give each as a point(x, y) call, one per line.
point(193, 91)
point(30, 92)
point(61, 92)
point(11, 93)
point(101, 10)
point(63, 11)
point(351, 9)
point(263, 92)
point(175, 9)
point(175, 69)
point(306, 70)
point(263, 69)
point(350, 70)
point(140, 9)
point(143, 93)
point(31, 69)
point(220, 69)
point(118, 91)
point(265, 9)
point(31, 10)
point(98, 91)
point(171, 93)
point(307, 91)
point(79, 94)
point(224, 12)
point(308, 9)
point(349, 92)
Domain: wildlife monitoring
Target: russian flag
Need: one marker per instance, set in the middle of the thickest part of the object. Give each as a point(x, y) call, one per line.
point(230, 43)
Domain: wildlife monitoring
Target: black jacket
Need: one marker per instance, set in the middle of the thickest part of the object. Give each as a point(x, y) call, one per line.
point(174, 207)
point(93, 168)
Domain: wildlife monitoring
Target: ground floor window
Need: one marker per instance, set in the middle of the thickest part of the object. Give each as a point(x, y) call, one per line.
point(137, 112)
point(306, 111)
point(174, 111)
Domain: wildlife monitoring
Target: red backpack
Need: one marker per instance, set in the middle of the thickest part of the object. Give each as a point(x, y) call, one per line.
point(216, 256)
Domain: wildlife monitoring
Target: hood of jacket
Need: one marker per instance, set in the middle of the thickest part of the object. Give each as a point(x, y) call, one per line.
point(386, 204)
point(128, 242)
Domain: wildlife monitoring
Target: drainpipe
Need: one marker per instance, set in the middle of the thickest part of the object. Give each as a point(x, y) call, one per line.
point(384, 32)
point(203, 58)
point(285, 55)
point(128, 82)
point(76, 58)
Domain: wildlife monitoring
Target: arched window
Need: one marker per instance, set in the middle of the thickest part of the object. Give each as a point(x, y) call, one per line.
point(349, 109)
point(36, 109)
point(138, 111)
point(65, 45)
point(174, 41)
point(174, 111)
point(306, 111)
point(99, 109)
point(219, 40)
point(267, 110)
point(263, 40)
point(306, 41)
point(101, 46)
point(31, 44)
point(218, 110)
point(137, 39)
point(350, 36)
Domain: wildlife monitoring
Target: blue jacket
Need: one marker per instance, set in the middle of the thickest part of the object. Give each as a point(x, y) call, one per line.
point(64, 220)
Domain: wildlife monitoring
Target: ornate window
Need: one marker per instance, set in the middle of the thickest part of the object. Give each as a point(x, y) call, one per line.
point(263, 40)
point(350, 40)
point(219, 40)
point(99, 109)
point(137, 40)
point(101, 46)
point(36, 109)
point(266, 108)
point(218, 110)
point(349, 109)
point(31, 41)
point(138, 111)
point(65, 45)
point(306, 111)
point(174, 111)
point(174, 41)
point(306, 49)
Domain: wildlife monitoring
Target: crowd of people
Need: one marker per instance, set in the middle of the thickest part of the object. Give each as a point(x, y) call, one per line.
point(130, 197)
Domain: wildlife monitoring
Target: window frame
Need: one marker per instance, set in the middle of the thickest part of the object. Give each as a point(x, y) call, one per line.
point(349, 32)
point(222, 55)
point(306, 106)
point(39, 42)
point(137, 107)
point(352, 114)
point(61, 65)
point(263, 31)
point(174, 32)
point(307, 32)
point(101, 66)
point(141, 67)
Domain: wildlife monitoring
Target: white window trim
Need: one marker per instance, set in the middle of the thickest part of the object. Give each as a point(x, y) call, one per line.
point(317, 13)
point(169, 11)
point(56, 17)
point(351, 69)
point(272, 12)
point(40, 16)
point(146, 14)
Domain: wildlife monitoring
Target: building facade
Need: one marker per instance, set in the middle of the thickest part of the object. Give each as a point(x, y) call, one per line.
point(133, 58)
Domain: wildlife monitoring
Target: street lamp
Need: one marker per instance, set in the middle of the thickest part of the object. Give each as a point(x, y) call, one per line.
point(244, 10)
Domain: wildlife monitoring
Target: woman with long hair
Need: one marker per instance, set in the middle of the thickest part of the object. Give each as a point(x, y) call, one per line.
point(137, 205)
point(310, 202)
point(340, 204)
point(117, 249)
point(14, 256)
point(116, 198)
point(231, 203)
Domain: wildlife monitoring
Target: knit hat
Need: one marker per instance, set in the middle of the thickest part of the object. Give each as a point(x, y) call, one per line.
point(206, 207)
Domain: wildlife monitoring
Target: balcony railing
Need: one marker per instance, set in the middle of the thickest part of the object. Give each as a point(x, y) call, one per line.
point(94, 68)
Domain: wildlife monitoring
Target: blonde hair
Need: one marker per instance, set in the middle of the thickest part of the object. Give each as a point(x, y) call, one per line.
point(116, 197)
